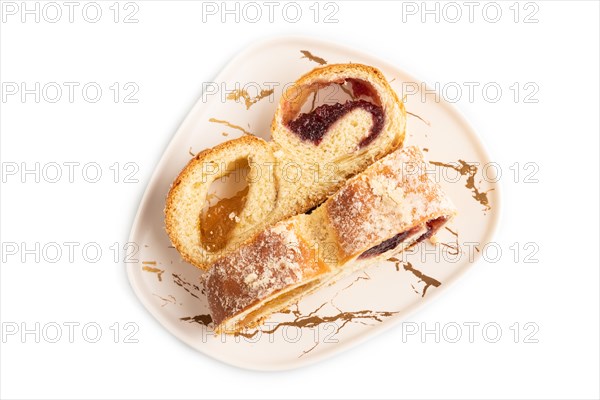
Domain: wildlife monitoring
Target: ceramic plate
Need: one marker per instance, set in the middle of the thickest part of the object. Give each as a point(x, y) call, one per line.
point(356, 307)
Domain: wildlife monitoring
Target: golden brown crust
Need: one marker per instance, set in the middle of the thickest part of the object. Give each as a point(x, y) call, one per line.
point(174, 222)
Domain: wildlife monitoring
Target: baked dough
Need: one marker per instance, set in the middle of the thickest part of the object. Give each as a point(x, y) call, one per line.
point(390, 206)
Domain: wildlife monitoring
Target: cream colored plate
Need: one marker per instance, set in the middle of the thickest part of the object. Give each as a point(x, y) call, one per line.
point(355, 308)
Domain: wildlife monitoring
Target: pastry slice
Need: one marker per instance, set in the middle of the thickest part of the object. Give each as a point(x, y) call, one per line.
point(389, 207)
point(359, 121)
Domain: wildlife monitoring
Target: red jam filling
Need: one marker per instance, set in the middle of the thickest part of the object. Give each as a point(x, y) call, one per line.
point(432, 227)
point(388, 244)
point(314, 125)
point(359, 88)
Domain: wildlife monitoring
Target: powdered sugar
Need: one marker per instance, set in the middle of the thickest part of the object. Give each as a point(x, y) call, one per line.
point(391, 196)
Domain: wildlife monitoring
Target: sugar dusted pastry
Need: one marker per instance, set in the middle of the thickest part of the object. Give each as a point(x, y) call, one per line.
point(389, 207)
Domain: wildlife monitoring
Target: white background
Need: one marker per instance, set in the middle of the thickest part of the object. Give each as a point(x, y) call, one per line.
point(168, 54)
